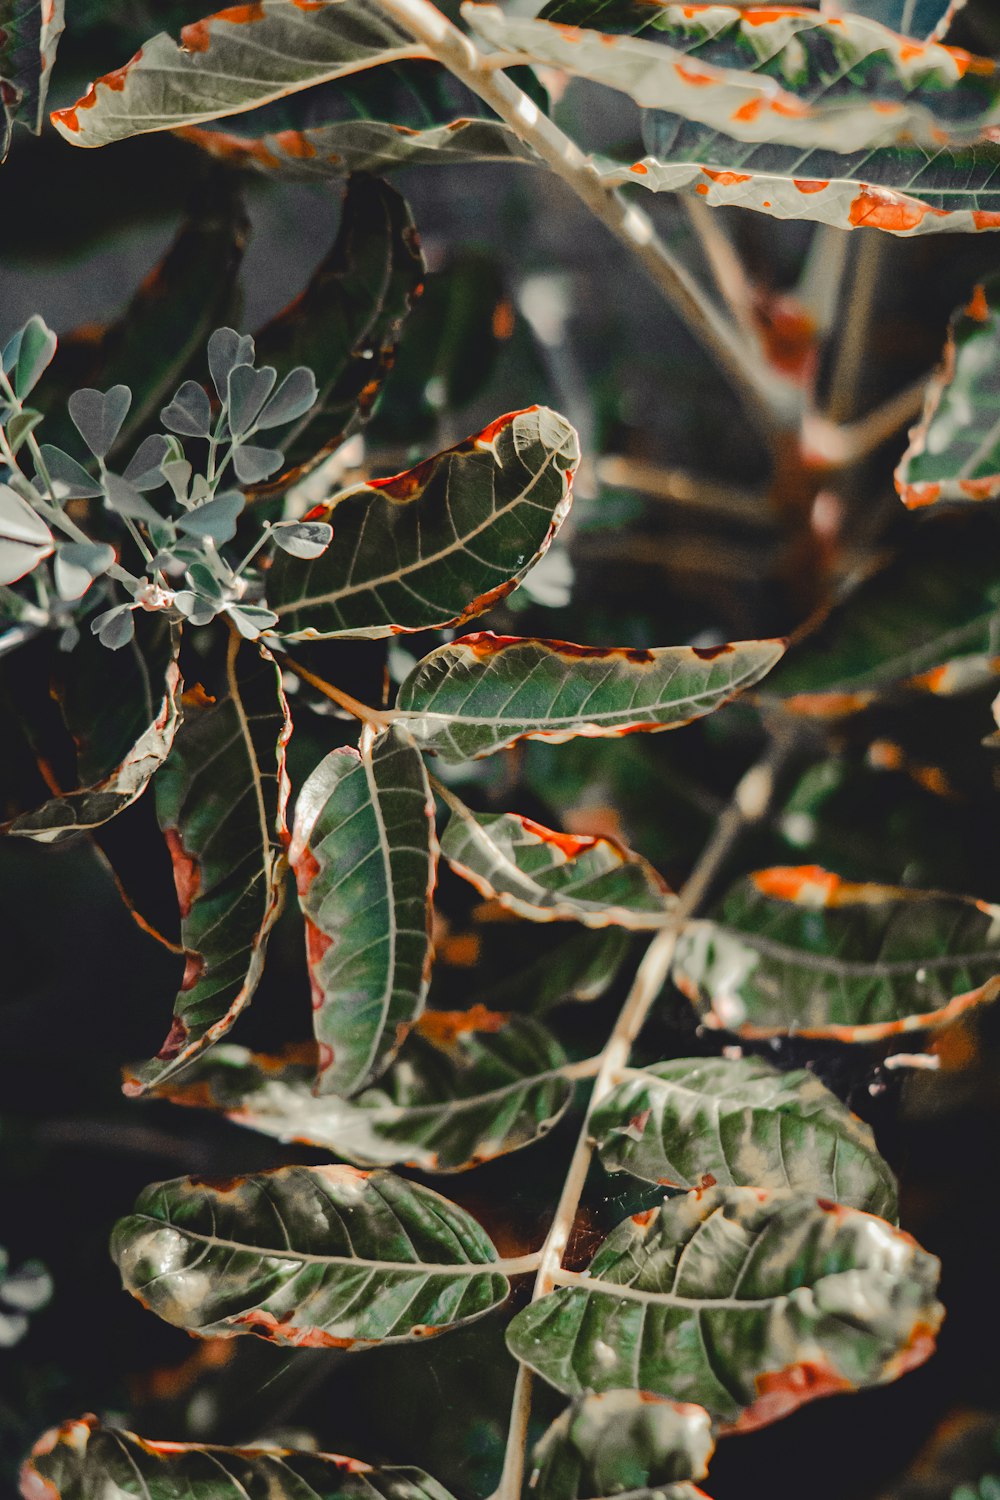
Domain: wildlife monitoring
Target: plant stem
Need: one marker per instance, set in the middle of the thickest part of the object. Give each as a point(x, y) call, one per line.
point(749, 804)
point(373, 716)
point(774, 405)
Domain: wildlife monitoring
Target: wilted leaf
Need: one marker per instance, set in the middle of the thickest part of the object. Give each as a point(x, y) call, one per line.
point(799, 950)
point(230, 62)
point(778, 74)
point(439, 544)
point(548, 876)
point(741, 1123)
point(954, 451)
point(84, 1460)
point(120, 738)
point(29, 36)
point(25, 540)
point(467, 1086)
point(322, 1256)
point(622, 1442)
point(745, 1301)
point(926, 620)
point(220, 801)
point(345, 325)
point(405, 114)
point(485, 692)
point(365, 861)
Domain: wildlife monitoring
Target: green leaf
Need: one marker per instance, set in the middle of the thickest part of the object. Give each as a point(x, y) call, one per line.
point(580, 965)
point(902, 190)
point(365, 860)
point(28, 355)
point(622, 1442)
point(230, 62)
point(29, 36)
point(220, 801)
point(485, 692)
point(346, 323)
point(926, 620)
point(322, 1256)
point(548, 876)
point(439, 544)
point(798, 950)
point(404, 114)
point(745, 1301)
point(741, 1123)
point(25, 540)
point(467, 1086)
point(120, 739)
point(954, 451)
point(781, 75)
point(84, 1460)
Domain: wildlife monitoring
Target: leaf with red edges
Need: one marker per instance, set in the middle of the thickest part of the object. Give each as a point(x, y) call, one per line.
point(438, 544)
point(220, 801)
point(485, 692)
point(623, 1441)
point(797, 950)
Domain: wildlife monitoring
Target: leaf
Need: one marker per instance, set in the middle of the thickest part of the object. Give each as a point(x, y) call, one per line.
point(29, 37)
point(954, 451)
point(548, 876)
point(254, 464)
point(327, 1257)
point(468, 1086)
point(412, 113)
point(77, 564)
point(620, 1442)
point(216, 519)
point(745, 1301)
point(120, 739)
point(231, 62)
point(28, 355)
point(439, 544)
point(71, 479)
point(927, 619)
point(485, 692)
point(84, 1460)
point(579, 966)
point(739, 1122)
point(305, 539)
point(797, 949)
point(779, 74)
point(190, 412)
point(25, 540)
point(98, 416)
point(220, 801)
point(346, 323)
point(902, 190)
point(364, 856)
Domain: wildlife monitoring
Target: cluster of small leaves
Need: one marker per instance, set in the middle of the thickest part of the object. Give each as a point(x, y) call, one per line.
point(22, 1292)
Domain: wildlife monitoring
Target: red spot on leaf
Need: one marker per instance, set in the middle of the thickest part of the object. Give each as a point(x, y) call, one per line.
point(569, 843)
point(197, 37)
point(792, 882)
point(176, 1039)
point(187, 871)
point(782, 1391)
point(709, 653)
point(442, 1027)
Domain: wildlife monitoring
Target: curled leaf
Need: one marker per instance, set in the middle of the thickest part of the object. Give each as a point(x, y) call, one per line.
point(622, 1442)
point(25, 540)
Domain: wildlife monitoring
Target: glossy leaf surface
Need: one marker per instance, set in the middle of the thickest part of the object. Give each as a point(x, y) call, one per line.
point(220, 801)
point(120, 739)
point(404, 114)
point(229, 62)
point(741, 1123)
point(745, 1301)
point(485, 692)
point(364, 855)
point(548, 876)
point(439, 544)
point(346, 323)
point(797, 949)
point(322, 1256)
point(778, 74)
point(621, 1442)
point(928, 620)
point(85, 1460)
point(954, 451)
point(467, 1086)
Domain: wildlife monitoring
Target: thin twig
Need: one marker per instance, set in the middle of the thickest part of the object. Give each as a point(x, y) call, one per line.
point(855, 340)
point(774, 403)
point(843, 446)
point(749, 804)
point(727, 268)
point(376, 717)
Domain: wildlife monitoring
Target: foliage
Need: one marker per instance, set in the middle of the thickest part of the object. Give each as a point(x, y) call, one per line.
point(235, 574)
